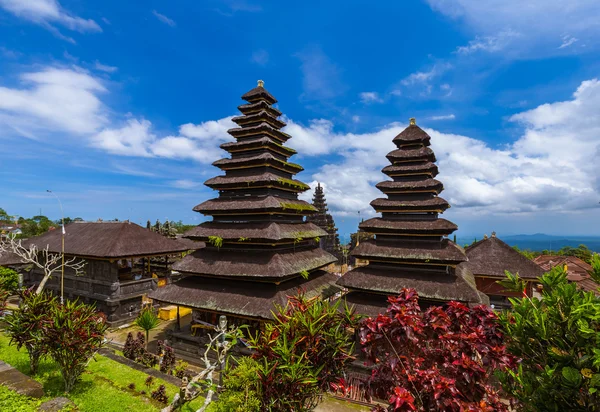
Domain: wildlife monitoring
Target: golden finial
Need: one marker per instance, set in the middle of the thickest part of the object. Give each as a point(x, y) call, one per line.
point(493, 234)
point(413, 121)
point(261, 83)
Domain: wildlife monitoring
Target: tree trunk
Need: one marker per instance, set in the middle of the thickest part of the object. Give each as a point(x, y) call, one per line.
point(34, 361)
point(40, 288)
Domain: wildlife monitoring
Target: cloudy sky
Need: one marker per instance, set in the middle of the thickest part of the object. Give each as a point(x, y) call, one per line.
point(119, 107)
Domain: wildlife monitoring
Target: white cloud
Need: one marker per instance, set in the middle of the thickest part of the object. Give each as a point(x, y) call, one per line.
point(133, 139)
point(443, 117)
point(185, 184)
point(552, 167)
point(321, 78)
point(541, 22)
point(53, 99)
point(489, 43)
point(164, 19)
point(356, 119)
point(260, 57)
point(370, 97)
point(105, 68)
point(421, 83)
point(48, 12)
point(567, 41)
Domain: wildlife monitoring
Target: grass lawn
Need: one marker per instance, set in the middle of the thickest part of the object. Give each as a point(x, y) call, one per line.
point(102, 388)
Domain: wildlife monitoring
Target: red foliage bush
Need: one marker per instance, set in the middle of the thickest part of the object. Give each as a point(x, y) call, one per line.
point(441, 359)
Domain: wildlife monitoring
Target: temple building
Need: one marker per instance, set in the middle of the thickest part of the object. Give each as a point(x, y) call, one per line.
point(324, 220)
point(578, 271)
point(410, 248)
point(489, 258)
point(123, 263)
point(259, 247)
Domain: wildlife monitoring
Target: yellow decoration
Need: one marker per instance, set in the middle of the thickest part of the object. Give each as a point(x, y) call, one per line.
point(261, 83)
point(413, 121)
point(170, 312)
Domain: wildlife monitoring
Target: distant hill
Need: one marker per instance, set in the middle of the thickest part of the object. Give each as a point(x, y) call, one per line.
point(540, 241)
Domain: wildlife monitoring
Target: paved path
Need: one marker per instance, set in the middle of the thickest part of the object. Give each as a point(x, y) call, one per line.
point(19, 382)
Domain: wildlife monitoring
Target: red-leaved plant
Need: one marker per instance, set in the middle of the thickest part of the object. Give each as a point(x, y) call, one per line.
point(440, 359)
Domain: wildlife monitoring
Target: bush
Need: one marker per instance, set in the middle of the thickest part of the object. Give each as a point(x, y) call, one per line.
point(442, 359)
point(73, 333)
point(556, 339)
point(302, 352)
point(24, 325)
point(160, 394)
point(167, 355)
point(9, 280)
point(147, 320)
point(241, 391)
point(180, 369)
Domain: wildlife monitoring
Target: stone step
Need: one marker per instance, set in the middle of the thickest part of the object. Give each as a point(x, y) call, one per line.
point(19, 382)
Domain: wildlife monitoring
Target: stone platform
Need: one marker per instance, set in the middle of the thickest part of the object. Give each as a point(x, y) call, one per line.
point(19, 382)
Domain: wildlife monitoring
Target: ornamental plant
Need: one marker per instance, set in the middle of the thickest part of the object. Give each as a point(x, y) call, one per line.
point(147, 320)
point(24, 325)
point(556, 339)
point(9, 280)
point(302, 352)
point(440, 359)
point(167, 353)
point(73, 333)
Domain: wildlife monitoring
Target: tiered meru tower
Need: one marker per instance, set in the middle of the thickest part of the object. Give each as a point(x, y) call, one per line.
point(258, 248)
point(410, 249)
point(324, 220)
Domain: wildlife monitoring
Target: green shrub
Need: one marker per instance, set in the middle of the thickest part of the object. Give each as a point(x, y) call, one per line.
point(557, 339)
point(9, 279)
point(241, 391)
point(147, 320)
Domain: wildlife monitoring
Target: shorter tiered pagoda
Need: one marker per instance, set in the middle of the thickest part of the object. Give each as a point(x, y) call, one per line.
point(410, 248)
point(323, 219)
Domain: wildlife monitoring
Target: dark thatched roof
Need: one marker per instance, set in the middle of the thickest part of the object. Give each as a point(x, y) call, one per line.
point(366, 304)
point(259, 94)
point(262, 116)
point(256, 264)
point(411, 186)
point(248, 181)
point(258, 160)
point(424, 153)
point(379, 225)
point(257, 143)
point(251, 299)
point(267, 203)
point(432, 204)
point(430, 285)
point(405, 170)
point(108, 240)
point(412, 134)
point(491, 257)
point(10, 259)
point(448, 254)
point(257, 107)
point(255, 231)
point(257, 129)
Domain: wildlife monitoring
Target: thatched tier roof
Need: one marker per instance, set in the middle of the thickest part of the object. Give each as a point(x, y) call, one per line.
point(448, 254)
point(435, 204)
point(491, 257)
point(266, 264)
point(430, 285)
point(257, 107)
point(250, 205)
point(111, 240)
point(411, 135)
point(259, 117)
point(435, 227)
point(411, 186)
point(366, 304)
point(259, 130)
point(256, 232)
point(264, 180)
point(264, 142)
point(424, 169)
point(263, 159)
point(259, 94)
point(248, 299)
point(424, 154)
point(10, 259)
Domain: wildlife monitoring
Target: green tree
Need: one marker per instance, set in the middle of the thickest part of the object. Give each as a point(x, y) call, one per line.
point(303, 352)
point(241, 390)
point(147, 320)
point(72, 334)
point(526, 252)
point(595, 262)
point(4, 217)
point(9, 280)
point(557, 340)
point(24, 325)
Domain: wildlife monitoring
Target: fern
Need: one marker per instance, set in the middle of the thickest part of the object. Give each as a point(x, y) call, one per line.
point(243, 239)
point(304, 274)
point(215, 241)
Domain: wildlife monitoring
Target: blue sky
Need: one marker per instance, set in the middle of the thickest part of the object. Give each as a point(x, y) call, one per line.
point(119, 107)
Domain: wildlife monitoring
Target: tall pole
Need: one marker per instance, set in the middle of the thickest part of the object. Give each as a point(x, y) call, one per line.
point(62, 268)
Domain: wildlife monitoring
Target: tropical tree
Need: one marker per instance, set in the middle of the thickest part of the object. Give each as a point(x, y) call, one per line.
point(72, 333)
point(556, 339)
point(24, 325)
point(147, 320)
point(303, 352)
point(442, 359)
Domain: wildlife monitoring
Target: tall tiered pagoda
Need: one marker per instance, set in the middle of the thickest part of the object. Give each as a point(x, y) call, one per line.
point(324, 220)
point(259, 249)
point(410, 248)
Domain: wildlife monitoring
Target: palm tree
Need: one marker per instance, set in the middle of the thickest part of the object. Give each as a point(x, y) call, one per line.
point(147, 320)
